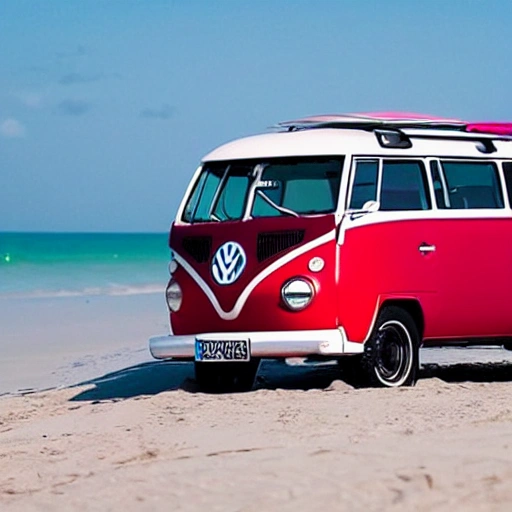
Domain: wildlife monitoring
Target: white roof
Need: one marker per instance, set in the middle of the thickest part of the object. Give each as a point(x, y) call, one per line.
point(337, 141)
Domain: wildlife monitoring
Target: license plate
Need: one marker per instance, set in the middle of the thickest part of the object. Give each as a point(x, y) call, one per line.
point(222, 350)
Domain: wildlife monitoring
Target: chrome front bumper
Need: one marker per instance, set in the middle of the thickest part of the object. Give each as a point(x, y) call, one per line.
point(325, 342)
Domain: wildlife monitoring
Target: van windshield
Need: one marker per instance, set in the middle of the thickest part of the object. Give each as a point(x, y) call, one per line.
point(228, 191)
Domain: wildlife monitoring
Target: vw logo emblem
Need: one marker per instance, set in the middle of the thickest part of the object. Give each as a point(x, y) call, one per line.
point(228, 263)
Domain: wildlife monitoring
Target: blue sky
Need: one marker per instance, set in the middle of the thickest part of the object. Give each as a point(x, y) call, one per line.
point(107, 106)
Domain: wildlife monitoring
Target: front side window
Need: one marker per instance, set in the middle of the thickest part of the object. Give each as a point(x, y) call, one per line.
point(399, 185)
point(364, 188)
point(276, 187)
point(470, 185)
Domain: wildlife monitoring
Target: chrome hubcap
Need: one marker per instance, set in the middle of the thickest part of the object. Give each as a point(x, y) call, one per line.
point(393, 353)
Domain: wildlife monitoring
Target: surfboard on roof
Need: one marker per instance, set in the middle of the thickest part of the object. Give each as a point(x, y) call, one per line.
point(396, 120)
point(405, 119)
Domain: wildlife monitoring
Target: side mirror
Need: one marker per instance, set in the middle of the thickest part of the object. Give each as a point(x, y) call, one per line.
point(368, 207)
point(371, 206)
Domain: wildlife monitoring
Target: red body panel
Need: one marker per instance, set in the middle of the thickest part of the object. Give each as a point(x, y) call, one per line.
point(263, 310)
point(463, 287)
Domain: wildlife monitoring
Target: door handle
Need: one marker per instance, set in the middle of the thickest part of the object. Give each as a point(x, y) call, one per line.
point(424, 248)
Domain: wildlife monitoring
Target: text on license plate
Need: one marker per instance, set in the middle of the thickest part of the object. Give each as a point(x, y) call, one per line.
point(222, 350)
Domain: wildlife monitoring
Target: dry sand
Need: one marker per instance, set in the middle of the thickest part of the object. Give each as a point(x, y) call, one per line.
point(142, 438)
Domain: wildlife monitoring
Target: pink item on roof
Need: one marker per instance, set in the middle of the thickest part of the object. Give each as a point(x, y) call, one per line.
point(492, 127)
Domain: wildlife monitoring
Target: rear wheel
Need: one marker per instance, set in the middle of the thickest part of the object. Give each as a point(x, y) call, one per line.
point(213, 377)
point(391, 355)
point(507, 345)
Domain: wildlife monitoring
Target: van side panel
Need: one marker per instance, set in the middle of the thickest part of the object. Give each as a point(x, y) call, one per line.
point(379, 261)
point(463, 286)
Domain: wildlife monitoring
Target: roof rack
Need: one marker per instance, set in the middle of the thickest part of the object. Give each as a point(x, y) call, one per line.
point(395, 129)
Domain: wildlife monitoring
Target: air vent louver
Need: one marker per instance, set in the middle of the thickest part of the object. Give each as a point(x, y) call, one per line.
point(199, 247)
point(270, 244)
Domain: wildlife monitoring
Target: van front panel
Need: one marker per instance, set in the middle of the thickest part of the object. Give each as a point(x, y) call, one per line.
point(275, 251)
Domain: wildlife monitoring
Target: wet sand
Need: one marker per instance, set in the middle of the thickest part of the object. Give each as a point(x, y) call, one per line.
point(48, 343)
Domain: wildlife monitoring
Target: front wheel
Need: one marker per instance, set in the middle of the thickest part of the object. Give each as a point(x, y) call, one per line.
point(213, 377)
point(391, 355)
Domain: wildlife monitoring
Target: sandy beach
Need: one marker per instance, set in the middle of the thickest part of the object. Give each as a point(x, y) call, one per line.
point(89, 422)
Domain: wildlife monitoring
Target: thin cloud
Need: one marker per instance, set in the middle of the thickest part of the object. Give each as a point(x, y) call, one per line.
point(75, 108)
point(163, 113)
point(12, 129)
point(79, 78)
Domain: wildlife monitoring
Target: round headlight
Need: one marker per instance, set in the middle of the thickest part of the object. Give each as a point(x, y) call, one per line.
point(297, 293)
point(173, 295)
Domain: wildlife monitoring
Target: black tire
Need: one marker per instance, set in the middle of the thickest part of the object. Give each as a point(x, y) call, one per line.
point(391, 355)
point(212, 377)
point(507, 345)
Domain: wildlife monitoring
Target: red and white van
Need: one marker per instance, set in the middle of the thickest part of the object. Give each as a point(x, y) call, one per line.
point(355, 237)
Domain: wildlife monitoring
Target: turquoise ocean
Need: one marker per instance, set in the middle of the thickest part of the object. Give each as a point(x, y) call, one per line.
point(43, 265)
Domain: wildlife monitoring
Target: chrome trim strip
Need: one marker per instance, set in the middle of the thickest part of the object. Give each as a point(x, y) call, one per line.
point(379, 180)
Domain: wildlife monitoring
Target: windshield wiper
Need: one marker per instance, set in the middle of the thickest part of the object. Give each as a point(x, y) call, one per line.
point(281, 209)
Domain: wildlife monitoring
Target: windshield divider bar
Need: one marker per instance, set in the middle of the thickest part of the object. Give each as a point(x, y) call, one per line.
point(218, 192)
point(258, 171)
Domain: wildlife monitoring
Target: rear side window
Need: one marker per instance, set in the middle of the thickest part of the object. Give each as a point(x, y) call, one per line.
point(507, 170)
point(469, 185)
